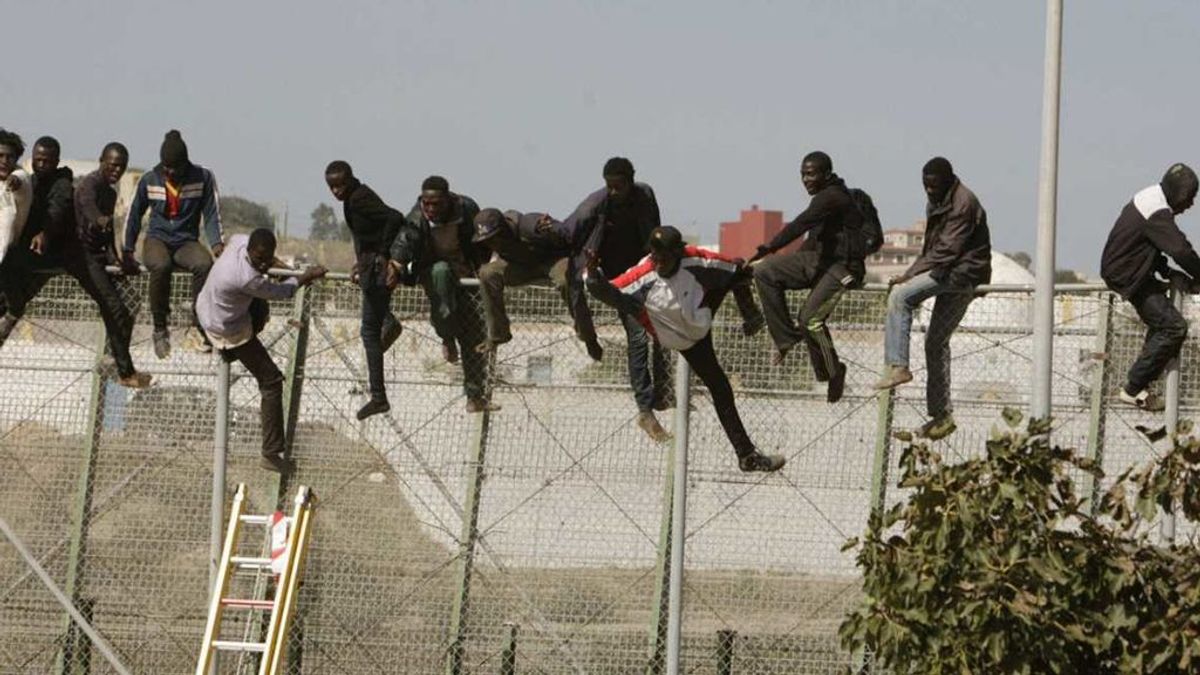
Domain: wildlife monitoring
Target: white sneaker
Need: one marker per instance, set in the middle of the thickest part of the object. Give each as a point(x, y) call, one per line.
point(1143, 399)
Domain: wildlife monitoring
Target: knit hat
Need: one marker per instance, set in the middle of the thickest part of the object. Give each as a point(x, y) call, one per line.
point(173, 152)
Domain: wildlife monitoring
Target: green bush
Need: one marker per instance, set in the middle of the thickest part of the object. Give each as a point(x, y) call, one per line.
point(999, 565)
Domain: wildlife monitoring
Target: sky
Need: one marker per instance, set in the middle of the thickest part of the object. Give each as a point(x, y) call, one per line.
point(519, 103)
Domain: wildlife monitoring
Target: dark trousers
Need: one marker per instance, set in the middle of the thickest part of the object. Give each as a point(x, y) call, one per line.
point(377, 319)
point(647, 364)
point(703, 361)
point(22, 282)
point(161, 260)
point(1166, 329)
point(794, 271)
point(499, 273)
point(255, 357)
point(456, 317)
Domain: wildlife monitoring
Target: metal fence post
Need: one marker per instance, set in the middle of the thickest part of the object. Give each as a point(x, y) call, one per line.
point(883, 446)
point(1099, 392)
point(76, 642)
point(508, 659)
point(725, 640)
point(678, 514)
point(467, 541)
point(662, 573)
point(217, 507)
point(1171, 388)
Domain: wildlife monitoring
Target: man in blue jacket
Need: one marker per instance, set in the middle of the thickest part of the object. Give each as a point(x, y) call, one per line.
point(529, 247)
point(177, 193)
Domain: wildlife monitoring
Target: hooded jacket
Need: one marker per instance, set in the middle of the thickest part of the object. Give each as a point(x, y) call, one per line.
point(833, 223)
point(53, 209)
point(198, 197)
point(413, 247)
point(677, 311)
point(529, 242)
point(1144, 234)
point(958, 246)
point(618, 232)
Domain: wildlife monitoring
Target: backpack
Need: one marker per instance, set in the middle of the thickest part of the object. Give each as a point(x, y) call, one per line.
point(872, 230)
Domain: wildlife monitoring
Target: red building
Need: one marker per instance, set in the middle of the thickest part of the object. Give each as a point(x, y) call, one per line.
point(740, 238)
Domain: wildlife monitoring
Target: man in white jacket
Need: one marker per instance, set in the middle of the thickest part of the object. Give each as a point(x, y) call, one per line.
point(16, 191)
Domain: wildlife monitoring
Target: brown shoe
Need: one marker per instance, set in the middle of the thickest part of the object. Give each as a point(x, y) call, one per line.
point(894, 377)
point(478, 405)
point(136, 380)
point(648, 423)
point(779, 356)
point(450, 352)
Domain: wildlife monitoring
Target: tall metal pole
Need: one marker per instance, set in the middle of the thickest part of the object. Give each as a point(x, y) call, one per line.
point(1043, 302)
point(683, 377)
point(1171, 413)
point(216, 540)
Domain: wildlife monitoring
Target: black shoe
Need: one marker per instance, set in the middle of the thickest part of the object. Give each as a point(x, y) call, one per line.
point(278, 464)
point(7, 323)
point(753, 326)
point(837, 384)
point(390, 334)
point(756, 461)
point(373, 407)
point(594, 349)
point(162, 343)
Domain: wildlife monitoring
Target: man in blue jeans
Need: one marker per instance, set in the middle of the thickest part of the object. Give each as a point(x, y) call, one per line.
point(956, 257)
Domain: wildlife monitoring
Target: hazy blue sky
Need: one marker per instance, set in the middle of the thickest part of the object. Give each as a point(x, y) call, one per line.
point(520, 103)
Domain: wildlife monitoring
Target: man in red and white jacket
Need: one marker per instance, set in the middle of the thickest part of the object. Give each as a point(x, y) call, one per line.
point(674, 292)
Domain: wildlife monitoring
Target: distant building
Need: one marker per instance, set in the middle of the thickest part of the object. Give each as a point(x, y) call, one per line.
point(740, 238)
point(900, 249)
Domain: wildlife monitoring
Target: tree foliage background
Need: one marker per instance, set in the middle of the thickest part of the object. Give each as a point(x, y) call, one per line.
point(1000, 565)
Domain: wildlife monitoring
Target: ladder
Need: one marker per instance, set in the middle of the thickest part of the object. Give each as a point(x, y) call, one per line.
point(287, 561)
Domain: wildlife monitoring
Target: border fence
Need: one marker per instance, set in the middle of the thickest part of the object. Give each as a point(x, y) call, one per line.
point(534, 539)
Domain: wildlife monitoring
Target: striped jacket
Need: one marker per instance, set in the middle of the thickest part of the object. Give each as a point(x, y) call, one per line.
point(676, 310)
point(198, 197)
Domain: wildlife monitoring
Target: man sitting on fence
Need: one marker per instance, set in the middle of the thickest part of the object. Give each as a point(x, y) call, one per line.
point(233, 309)
point(529, 247)
point(956, 257)
point(673, 293)
point(1143, 236)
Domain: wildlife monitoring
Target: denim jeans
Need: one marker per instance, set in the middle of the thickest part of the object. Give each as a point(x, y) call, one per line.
point(645, 357)
point(377, 318)
point(948, 310)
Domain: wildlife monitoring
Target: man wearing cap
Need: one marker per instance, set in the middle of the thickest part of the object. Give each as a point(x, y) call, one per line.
point(956, 257)
point(529, 247)
point(178, 194)
point(674, 293)
point(1144, 235)
point(615, 223)
point(233, 308)
point(436, 248)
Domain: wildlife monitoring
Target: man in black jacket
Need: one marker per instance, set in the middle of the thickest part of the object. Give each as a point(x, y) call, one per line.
point(529, 247)
point(61, 233)
point(829, 262)
point(435, 249)
point(614, 223)
point(1143, 236)
point(373, 226)
point(956, 257)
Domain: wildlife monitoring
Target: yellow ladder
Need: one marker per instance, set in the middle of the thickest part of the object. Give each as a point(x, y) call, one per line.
point(283, 607)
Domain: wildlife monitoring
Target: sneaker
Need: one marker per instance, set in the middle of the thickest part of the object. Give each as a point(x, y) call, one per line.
point(594, 349)
point(753, 325)
point(277, 464)
point(162, 343)
point(204, 346)
point(135, 380)
point(1144, 400)
point(373, 407)
point(7, 323)
point(450, 352)
point(780, 356)
point(648, 423)
point(663, 402)
point(895, 376)
point(756, 461)
point(478, 405)
point(837, 384)
point(937, 428)
point(390, 335)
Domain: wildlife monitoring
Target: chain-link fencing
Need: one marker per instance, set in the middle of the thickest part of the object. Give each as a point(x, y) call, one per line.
point(535, 538)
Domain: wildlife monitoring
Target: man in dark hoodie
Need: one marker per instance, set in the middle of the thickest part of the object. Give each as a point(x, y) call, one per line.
point(1143, 236)
point(614, 223)
point(177, 193)
point(956, 257)
point(829, 262)
point(436, 249)
point(54, 237)
point(373, 226)
point(529, 247)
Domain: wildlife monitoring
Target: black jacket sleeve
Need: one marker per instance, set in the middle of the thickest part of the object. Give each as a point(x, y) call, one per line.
point(60, 213)
point(1168, 238)
point(822, 207)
